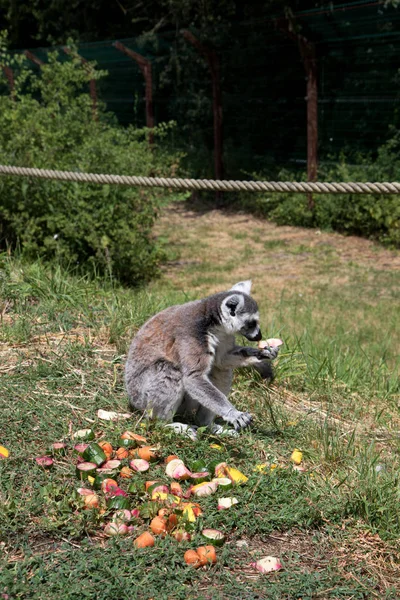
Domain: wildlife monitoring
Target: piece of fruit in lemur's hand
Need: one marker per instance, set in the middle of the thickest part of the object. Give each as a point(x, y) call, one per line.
point(270, 347)
point(270, 343)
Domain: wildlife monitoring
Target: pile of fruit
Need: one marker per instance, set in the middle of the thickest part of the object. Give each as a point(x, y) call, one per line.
point(110, 485)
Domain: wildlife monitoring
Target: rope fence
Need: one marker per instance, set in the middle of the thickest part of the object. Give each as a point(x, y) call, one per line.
point(209, 184)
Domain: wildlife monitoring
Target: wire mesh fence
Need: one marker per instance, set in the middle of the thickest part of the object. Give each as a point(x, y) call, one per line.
point(263, 87)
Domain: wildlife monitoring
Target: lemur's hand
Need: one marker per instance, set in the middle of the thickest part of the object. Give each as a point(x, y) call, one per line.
point(239, 420)
point(269, 349)
point(268, 353)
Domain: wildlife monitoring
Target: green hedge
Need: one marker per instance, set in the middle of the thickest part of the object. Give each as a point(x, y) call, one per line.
point(50, 124)
point(375, 216)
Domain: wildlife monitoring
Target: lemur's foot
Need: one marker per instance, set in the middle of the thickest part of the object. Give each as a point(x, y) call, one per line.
point(183, 429)
point(222, 430)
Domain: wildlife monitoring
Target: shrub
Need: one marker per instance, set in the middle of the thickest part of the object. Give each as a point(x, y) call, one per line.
point(375, 216)
point(49, 124)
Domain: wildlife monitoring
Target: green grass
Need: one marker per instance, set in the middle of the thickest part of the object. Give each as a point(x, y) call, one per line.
point(62, 345)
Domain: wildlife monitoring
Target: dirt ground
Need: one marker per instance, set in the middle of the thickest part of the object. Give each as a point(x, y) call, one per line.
point(278, 256)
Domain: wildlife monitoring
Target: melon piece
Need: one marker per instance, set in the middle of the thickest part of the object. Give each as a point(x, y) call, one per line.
point(112, 529)
point(200, 477)
point(111, 464)
point(205, 489)
point(122, 516)
point(224, 503)
point(267, 564)
point(59, 448)
point(172, 465)
point(84, 470)
point(140, 465)
point(224, 483)
point(84, 492)
point(181, 473)
point(213, 536)
point(45, 461)
point(85, 435)
point(80, 448)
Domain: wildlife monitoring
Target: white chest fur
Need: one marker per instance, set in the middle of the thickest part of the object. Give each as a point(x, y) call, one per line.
point(219, 344)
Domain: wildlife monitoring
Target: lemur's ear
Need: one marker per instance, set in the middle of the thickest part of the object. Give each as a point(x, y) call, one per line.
point(242, 286)
point(232, 302)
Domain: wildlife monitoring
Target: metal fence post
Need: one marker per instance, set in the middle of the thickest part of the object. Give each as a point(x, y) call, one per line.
point(92, 82)
point(145, 67)
point(33, 58)
point(308, 56)
point(8, 72)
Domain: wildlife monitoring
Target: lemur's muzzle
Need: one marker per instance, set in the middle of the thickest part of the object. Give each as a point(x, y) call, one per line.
point(254, 338)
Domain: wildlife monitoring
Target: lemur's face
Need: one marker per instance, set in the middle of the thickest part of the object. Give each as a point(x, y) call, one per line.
point(251, 328)
point(240, 315)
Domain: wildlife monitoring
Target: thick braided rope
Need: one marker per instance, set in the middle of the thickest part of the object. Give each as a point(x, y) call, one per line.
point(209, 184)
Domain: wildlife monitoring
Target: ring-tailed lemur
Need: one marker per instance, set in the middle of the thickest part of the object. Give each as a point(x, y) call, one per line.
point(181, 360)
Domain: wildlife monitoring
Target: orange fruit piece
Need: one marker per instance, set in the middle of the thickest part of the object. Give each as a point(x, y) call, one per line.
point(129, 435)
point(171, 457)
point(172, 521)
point(107, 449)
point(181, 535)
point(145, 540)
point(176, 489)
point(139, 439)
point(207, 554)
point(126, 473)
point(149, 484)
point(108, 484)
point(192, 558)
point(159, 526)
point(91, 501)
point(122, 453)
point(145, 453)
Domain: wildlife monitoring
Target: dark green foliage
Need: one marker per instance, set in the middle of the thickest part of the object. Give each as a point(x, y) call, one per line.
point(374, 216)
point(262, 74)
point(50, 124)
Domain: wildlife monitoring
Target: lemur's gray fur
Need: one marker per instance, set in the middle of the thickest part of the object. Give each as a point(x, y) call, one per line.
point(182, 359)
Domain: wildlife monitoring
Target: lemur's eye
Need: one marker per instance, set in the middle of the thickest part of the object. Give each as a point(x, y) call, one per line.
point(251, 324)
